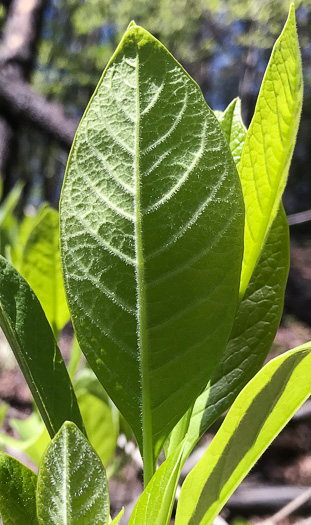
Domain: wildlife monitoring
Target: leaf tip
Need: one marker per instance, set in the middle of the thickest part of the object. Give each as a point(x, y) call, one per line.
point(131, 24)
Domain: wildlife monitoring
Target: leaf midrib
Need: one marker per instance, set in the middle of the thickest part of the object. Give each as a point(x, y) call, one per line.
point(141, 301)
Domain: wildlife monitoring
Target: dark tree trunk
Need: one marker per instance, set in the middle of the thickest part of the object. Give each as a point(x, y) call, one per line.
point(17, 55)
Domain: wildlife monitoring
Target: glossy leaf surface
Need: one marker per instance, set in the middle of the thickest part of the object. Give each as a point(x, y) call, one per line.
point(72, 487)
point(156, 502)
point(270, 142)
point(152, 247)
point(17, 492)
point(31, 339)
point(258, 414)
point(42, 269)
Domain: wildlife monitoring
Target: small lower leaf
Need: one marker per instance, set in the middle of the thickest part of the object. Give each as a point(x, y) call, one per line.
point(17, 492)
point(72, 486)
point(257, 416)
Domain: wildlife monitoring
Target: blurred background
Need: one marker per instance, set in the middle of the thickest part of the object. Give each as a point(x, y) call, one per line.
point(52, 53)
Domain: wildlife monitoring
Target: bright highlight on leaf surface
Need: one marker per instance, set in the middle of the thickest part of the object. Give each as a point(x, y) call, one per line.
point(151, 238)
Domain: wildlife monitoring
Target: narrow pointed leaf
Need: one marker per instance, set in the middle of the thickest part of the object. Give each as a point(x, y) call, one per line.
point(31, 339)
point(151, 227)
point(8, 206)
point(253, 332)
point(17, 492)
point(42, 269)
point(270, 142)
point(155, 505)
point(117, 518)
point(8, 222)
point(72, 487)
point(234, 129)
point(258, 414)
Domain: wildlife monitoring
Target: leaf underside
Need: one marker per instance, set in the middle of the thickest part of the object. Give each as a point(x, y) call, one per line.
point(151, 237)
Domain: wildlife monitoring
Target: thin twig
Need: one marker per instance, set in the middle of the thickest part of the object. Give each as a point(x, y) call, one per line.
point(289, 508)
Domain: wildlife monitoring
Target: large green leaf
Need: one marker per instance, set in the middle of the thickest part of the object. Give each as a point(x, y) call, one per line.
point(253, 332)
point(72, 488)
point(41, 267)
point(258, 414)
point(151, 238)
point(17, 493)
point(270, 142)
point(155, 505)
point(31, 339)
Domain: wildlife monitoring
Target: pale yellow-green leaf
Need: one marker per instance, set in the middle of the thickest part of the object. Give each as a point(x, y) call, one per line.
point(270, 142)
point(42, 269)
point(258, 414)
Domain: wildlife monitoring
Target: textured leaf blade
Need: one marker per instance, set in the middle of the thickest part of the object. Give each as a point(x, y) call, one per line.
point(253, 332)
point(156, 502)
point(143, 247)
point(270, 142)
point(41, 267)
point(72, 487)
point(258, 414)
point(17, 492)
point(31, 339)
